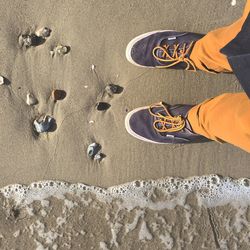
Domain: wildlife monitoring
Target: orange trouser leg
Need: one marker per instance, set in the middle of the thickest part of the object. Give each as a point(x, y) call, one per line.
point(223, 118)
point(206, 52)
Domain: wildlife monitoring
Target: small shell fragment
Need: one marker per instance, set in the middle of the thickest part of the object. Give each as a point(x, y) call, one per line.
point(61, 50)
point(93, 67)
point(93, 150)
point(112, 89)
point(26, 40)
point(98, 156)
point(44, 32)
point(43, 124)
point(1, 80)
point(31, 99)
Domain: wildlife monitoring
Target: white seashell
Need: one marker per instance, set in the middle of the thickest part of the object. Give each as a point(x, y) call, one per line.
point(98, 157)
point(43, 32)
point(93, 67)
point(1, 80)
point(61, 50)
point(233, 3)
point(31, 99)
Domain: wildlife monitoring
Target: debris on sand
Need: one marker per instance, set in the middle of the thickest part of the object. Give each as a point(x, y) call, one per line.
point(112, 89)
point(102, 106)
point(93, 67)
point(29, 40)
point(94, 152)
point(43, 124)
point(31, 99)
point(60, 50)
point(25, 40)
point(233, 2)
point(58, 94)
point(44, 32)
point(2, 80)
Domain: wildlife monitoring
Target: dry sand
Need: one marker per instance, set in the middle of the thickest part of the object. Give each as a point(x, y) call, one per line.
point(97, 33)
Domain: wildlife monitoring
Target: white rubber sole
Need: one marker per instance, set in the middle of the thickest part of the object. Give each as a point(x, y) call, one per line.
point(130, 131)
point(135, 40)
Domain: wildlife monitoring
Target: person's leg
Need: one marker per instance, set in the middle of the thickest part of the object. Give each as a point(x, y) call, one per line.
point(223, 118)
point(206, 52)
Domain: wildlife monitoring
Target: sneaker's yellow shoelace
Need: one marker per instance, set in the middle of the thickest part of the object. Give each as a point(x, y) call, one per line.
point(176, 57)
point(166, 123)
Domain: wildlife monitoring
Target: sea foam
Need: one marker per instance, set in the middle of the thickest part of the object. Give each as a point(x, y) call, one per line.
point(142, 213)
point(211, 191)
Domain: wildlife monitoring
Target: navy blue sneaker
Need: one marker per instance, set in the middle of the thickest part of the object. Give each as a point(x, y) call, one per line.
point(162, 124)
point(163, 49)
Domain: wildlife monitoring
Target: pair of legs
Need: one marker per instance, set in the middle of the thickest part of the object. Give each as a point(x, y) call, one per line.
point(225, 118)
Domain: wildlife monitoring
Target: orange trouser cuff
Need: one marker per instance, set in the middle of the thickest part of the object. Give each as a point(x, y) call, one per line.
point(223, 118)
point(206, 53)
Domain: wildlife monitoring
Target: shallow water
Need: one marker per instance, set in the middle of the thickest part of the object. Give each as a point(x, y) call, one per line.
point(168, 213)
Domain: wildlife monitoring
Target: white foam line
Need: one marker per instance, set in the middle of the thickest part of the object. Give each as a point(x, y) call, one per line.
point(211, 190)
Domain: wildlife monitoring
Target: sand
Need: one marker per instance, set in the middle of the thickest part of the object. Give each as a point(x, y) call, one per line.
point(97, 33)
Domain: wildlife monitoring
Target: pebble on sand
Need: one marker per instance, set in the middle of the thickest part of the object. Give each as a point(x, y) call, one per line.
point(102, 106)
point(30, 40)
point(43, 124)
point(31, 99)
point(58, 94)
point(94, 152)
point(1, 80)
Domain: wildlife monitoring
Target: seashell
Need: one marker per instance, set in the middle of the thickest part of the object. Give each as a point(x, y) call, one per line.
point(112, 89)
point(43, 124)
point(98, 157)
point(93, 150)
point(61, 50)
point(44, 32)
point(2, 80)
point(233, 2)
point(102, 106)
point(31, 99)
point(58, 94)
point(93, 67)
point(26, 40)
